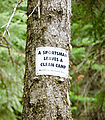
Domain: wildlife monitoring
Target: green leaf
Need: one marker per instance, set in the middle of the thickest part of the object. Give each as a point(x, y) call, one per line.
point(98, 67)
point(87, 27)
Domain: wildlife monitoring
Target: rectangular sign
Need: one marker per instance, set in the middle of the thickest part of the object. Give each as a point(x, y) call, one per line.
point(52, 61)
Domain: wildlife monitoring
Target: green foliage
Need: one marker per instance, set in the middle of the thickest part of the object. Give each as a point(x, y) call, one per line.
point(100, 99)
point(78, 54)
point(98, 67)
point(12, 60)
point(87, 56)
point(11, 83)
point(74, 97)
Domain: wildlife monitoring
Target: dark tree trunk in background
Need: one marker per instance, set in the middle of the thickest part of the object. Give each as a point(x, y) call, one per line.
point(46, 97)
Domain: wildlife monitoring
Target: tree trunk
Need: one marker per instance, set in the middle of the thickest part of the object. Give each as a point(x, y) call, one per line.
point(46, 97)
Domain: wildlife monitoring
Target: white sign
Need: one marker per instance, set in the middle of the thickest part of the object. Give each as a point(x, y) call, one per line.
point(52, 61)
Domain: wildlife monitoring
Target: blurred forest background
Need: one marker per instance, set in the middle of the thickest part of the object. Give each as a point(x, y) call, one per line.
point(87, 72)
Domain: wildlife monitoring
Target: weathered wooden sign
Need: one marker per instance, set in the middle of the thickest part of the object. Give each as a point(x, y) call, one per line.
point(52, 61)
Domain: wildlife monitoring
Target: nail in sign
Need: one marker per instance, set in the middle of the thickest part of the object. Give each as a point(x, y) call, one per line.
point(52, 61)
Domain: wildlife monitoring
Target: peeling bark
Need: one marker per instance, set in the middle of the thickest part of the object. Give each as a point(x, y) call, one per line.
point(46, 97)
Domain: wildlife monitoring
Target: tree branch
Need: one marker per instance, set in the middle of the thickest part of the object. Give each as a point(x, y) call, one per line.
point(14, 10)
point(32, 11)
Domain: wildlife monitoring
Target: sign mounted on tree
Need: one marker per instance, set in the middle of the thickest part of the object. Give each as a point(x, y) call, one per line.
point(52, 61)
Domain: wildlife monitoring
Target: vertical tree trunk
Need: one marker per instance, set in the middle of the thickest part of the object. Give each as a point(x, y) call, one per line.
point(46, 97)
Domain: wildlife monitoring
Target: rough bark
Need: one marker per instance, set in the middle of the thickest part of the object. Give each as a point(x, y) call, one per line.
point(46, 97)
